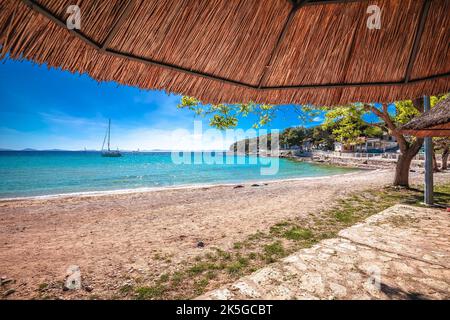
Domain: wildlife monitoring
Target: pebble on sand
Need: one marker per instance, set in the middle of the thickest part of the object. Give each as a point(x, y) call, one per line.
point(200, 244)
point(8, 292)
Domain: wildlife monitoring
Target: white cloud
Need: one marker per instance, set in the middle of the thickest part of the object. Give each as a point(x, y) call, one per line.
point(92, 134)
point(58, 118)
point(318, 119)
point(163, 127)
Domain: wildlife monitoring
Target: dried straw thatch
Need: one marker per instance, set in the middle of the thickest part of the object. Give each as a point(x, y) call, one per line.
point(433, 123)
point(277, 51)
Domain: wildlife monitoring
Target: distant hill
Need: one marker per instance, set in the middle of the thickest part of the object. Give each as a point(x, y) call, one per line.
point(294, 136)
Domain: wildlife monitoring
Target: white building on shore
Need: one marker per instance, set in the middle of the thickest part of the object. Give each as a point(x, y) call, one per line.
point(369, 145)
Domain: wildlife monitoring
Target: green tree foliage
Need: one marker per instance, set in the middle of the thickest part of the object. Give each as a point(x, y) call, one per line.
point(346, 123)
point(404, 112)
point(323, 138)
point(293, 136)
point(318, 136)
point(224, 116)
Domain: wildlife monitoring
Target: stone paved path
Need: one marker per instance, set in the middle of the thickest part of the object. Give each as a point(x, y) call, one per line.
point(400, 253)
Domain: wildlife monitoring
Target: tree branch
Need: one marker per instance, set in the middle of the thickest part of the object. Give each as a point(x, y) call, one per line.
point(416, 145)
point(384, 115)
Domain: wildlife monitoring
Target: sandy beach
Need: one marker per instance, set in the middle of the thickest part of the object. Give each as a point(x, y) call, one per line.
point(114, 236)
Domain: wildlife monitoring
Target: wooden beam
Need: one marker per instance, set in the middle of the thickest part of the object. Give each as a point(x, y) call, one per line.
point(45, 12)
point(440, 130)
point(126, 12)
point(427, 133)
point(359, 84)
point(417, 39)
point(325, 2)
point(443, 126)
point(169, 66)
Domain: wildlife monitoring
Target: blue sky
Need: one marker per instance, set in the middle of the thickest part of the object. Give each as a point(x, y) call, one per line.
point(46, 108)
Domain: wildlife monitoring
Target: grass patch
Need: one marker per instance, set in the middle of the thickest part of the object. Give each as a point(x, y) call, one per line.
point(275, 248)
point(273, 251)
point(238, 265)
point(177, 278)
point(234, 268)
point(199, 286)
point(197, 268)
point(164, 278)
point(126, 289)
point(344, 216)
point(257, 236)
point(202, 267)
point(296, 233)
point(238, 245)
point(279, 228)
point(223, 255)
point(252, 255)
point(43, 286)
point(150, 293)
point(211, 274)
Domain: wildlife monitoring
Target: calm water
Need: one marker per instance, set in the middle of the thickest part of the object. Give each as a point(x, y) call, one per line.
point(49, 173)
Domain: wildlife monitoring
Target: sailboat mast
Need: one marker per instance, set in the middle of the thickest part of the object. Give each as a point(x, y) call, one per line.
point(109, 134)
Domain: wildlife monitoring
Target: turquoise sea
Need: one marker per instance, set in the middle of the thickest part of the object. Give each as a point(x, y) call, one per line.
point(37, 173)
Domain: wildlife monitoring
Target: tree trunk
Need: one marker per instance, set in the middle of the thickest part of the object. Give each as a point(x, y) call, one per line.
point(435, 163)
point(401, 178)
point(402, 169)
point(408, 151)
point(445, 154)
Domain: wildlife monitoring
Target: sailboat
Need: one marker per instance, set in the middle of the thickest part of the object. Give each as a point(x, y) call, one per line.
point(109, 153)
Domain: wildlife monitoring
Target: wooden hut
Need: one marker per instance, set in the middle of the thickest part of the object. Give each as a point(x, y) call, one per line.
point(433, 123)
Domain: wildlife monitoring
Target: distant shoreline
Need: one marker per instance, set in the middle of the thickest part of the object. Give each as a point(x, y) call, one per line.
point(87, 194)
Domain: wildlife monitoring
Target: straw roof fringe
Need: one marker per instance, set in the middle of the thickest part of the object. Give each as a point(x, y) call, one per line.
point(436, 120)
point(242, 50)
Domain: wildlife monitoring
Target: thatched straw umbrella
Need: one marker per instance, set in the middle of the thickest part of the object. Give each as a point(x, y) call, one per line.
point(433, 123)
point(279, 51)
point(319, 52)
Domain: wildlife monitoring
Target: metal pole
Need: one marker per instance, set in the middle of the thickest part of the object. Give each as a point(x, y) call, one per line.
point(428, 160)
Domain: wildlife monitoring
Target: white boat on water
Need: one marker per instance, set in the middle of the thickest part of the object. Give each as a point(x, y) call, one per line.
point(109, 153)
